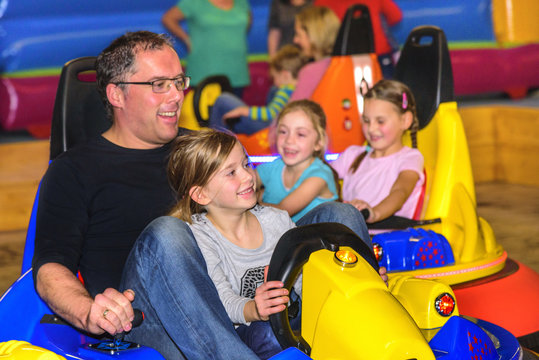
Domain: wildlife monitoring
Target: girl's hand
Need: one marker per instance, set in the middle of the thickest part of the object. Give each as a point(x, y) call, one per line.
point(383, 274)
point(360, 205)
point(270, 298)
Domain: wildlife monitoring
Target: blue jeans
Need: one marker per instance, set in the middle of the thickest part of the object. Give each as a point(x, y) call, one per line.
point(183, 313)
point(337, 212)
point(243, 125)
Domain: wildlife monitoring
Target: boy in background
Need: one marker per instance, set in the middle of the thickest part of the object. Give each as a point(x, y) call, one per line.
point(230, 112)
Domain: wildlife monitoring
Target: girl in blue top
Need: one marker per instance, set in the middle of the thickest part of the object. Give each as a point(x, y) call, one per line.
point(300, 179)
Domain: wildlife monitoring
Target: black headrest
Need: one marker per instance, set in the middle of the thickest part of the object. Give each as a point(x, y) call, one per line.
point(79, 112)
point(355, 34)
point(425, 66)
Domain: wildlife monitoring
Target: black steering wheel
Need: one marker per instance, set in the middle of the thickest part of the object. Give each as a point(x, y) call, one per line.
point(292, 252)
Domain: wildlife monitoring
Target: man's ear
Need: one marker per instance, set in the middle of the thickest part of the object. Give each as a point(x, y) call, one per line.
point(197, 195)
point(115, 95)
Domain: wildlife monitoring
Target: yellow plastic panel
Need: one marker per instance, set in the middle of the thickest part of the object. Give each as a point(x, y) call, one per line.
point(22, 350)
point(348, 313)
point(187, 114)
point(418, 296)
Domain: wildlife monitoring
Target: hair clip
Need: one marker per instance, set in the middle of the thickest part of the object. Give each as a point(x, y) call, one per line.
point(404, 101)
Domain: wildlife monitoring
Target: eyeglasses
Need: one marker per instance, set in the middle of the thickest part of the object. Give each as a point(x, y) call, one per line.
point(161, 86)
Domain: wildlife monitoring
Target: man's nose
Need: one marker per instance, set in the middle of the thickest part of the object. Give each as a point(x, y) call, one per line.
point(175, 95)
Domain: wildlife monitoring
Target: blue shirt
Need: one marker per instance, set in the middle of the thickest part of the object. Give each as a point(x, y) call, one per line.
point(271, 175)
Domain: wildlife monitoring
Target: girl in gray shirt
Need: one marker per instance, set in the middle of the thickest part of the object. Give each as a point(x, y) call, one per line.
point(216, 186)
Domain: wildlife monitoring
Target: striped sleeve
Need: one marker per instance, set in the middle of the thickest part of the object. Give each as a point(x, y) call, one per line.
point(272, 109)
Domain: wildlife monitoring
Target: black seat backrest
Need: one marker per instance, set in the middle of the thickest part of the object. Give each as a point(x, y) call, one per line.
point(79, 112)
point(425, 66)
point(355, 34)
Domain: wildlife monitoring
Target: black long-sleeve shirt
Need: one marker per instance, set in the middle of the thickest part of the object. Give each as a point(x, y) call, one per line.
point(94, 201)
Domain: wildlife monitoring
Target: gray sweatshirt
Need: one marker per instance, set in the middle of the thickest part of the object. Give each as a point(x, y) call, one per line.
point(235, 271)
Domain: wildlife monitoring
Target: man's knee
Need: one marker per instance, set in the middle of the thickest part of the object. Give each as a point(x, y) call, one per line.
point(167, 235)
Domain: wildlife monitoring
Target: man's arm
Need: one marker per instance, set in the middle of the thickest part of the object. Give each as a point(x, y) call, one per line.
point(110, 311)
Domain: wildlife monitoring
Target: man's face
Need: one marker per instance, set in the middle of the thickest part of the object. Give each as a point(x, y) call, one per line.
point(145, 119)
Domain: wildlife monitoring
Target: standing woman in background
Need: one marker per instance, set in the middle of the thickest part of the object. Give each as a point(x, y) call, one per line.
point(281, 23)
point(384, 13)
point(216, 38)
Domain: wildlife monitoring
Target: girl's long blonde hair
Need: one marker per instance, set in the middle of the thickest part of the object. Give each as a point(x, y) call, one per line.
point(194, 158)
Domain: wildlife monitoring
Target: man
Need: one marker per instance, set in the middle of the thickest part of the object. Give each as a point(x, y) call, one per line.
point(96, 198)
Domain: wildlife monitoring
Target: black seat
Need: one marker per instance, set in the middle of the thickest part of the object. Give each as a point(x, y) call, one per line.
point(79, 112)
point(355, 34)
point(425, 66)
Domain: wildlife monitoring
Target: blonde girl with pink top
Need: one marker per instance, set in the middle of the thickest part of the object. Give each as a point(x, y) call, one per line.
point(385, 176)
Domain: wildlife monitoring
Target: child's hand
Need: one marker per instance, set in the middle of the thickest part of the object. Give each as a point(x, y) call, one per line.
point(270, 298)
point(360, 205)
point(237, 112)
point(383, 274)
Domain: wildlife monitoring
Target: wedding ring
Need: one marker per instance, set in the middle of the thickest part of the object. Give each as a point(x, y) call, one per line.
point(105, 313)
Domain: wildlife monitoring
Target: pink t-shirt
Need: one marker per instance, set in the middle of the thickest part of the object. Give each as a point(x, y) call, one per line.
point(374, 178)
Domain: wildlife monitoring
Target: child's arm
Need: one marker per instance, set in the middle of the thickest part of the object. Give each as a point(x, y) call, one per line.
point(400, 191)
point(262, 113)
point(298, 199)
point(274, 107)
point(237, 112)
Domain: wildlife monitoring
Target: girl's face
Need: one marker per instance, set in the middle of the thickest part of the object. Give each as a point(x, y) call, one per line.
point(383, 126)
point(301, 39)
point(297, 139)
point(232, 187)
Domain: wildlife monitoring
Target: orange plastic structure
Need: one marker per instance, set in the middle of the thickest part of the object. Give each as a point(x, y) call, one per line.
point(339, 94)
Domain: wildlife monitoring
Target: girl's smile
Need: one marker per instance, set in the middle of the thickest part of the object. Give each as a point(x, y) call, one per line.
point(233, 185)
point(297, 139)
point(384, 126)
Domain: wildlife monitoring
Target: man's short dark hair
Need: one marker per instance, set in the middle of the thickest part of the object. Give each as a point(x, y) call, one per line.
point(117, 61)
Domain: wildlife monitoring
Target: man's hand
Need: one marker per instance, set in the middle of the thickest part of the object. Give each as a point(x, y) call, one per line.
point(111, 311)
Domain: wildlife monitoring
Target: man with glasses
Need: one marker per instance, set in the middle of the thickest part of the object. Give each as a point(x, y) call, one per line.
point(97, 197)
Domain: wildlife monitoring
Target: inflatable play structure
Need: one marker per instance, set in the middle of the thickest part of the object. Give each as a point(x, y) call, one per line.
point(494, 46)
